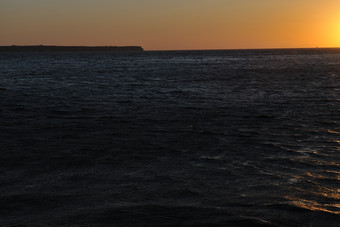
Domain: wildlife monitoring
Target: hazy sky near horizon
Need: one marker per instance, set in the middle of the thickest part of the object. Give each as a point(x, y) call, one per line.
point(175, 24)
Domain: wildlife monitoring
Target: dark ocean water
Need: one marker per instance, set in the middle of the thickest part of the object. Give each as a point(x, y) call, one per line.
point(230, 138)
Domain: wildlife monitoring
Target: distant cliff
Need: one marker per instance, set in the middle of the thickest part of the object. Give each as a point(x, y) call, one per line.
point(42, 48)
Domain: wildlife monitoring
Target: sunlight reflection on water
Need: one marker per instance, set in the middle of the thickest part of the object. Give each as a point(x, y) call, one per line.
point(314, 206)
point(318, 190)
point(203, 134)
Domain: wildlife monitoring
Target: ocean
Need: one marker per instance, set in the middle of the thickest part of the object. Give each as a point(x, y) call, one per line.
point(170, 138)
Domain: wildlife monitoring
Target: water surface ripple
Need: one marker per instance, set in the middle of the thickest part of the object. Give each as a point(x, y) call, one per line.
point(229, 138)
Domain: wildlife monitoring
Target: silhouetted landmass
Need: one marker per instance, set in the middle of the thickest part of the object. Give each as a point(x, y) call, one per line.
point(42, 48)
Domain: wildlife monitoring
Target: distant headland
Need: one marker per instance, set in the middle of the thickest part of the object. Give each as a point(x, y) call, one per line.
point(42, 48)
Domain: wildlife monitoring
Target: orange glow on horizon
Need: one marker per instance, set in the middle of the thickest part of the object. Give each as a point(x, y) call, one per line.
point(174, 25)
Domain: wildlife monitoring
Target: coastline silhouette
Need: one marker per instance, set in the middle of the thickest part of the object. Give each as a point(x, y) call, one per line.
point(42, 48)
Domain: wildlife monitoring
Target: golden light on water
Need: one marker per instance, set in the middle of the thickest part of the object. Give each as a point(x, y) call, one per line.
point(322, 192)
point(313, 205)
point(317, 196)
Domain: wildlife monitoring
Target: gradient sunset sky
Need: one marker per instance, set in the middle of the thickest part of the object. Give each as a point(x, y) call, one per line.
point(172, 25)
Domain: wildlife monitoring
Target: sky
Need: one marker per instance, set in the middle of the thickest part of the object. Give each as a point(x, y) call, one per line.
point(172, 24)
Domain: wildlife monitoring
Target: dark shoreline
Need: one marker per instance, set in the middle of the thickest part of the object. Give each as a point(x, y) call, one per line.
point(42, 48)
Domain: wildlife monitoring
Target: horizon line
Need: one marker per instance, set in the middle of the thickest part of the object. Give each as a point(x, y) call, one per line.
point(204, 49)
point(256, 48)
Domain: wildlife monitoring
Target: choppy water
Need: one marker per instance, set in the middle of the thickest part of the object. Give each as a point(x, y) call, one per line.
point(229, 138)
